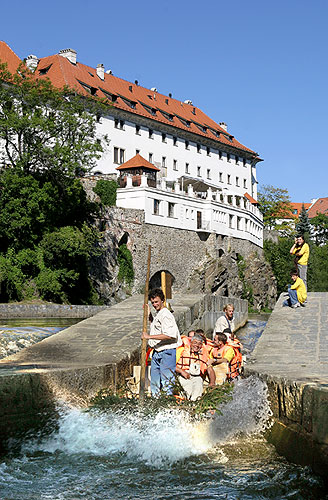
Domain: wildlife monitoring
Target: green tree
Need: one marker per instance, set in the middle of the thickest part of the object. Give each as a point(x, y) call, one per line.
point(49, 140)
point(274, 204)
point(319, 225)
point(46, 130)
point(277, 254)
point(318, 269)
point(303, 224)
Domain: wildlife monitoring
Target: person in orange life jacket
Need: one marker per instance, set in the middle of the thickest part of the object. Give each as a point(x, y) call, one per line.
point(208, 344)
point(225, 322)
point(164, 338)
point(296, 292)
point(226, 353)
point(192, 367)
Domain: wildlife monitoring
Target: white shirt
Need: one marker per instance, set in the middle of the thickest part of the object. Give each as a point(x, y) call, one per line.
point(221, 324)
point(164, 324)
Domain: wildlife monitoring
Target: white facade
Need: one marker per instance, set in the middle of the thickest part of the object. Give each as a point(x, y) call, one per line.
point(221, 208)
point(233, 216)
point(168, 152)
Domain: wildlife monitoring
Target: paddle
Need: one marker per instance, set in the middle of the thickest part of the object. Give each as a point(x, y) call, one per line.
point(144, 341)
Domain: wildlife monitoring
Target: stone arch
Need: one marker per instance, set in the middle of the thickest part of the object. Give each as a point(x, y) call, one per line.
point(155, 280)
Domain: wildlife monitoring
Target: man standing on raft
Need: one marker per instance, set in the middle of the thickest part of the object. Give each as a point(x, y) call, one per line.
point(164, 338)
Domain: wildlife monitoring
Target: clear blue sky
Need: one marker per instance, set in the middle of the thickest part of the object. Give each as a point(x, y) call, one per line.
point(258, 65)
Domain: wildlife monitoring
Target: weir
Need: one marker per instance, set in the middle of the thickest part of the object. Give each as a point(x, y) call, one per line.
point(96, 353)
point(292, 358)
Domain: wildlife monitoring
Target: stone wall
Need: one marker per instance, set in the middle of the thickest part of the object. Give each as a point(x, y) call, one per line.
point(48, 311)
point(198, 262)
point(300, 430)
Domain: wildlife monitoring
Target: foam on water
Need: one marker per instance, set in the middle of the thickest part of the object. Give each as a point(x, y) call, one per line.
point(159, 439)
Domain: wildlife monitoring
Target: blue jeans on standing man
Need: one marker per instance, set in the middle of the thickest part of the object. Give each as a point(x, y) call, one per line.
point(162, 371)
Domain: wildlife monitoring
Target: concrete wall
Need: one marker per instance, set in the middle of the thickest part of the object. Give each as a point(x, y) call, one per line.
point(300, 430)
point(29, 390)
point(48, 311)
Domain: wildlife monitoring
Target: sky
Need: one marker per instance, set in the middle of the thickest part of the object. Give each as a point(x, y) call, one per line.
point(258, 65)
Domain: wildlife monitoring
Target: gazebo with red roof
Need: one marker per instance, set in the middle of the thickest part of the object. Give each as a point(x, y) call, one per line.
point(136, 167)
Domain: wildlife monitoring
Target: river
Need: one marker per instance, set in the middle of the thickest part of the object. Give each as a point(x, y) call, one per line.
point(160, 456)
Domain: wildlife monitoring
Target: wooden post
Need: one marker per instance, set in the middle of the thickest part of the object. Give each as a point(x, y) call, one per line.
point(144, 341)
point(163, 285)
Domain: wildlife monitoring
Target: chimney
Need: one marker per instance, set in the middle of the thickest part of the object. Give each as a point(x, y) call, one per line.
point(224, 126)
point(70, 54)
point(32, 62)
point(101, 71)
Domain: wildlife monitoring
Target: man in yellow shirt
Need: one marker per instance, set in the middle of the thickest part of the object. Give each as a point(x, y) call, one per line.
point(296, 291)
point(301, 251)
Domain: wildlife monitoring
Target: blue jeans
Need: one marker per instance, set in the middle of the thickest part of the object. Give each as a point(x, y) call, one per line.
point(292, 299)
point(162, 372)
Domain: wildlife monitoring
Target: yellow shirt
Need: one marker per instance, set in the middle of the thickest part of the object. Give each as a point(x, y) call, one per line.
point(304, 253)
point(300, 290)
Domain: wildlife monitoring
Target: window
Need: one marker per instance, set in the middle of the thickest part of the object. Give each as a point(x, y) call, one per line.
point(137, 151)
point(244, 162)
point(163, 161)
point(238, 223)
point(208, 173)
point(171, 209)
point(229, 179)
point(228, 157)
point(208, 151)
point(119, 155)
point(138, 129)
point(245, 184)
point(163, 137)
point(119, 124)
point(150, 157)
point(175, 140)
point(187, 144)
point(220, 155)
point(175, 165)
point(156, 207)
point(220, 177)
point(237, 181)
point(199, 171)
point(237, 160)
point(187, 168)
point(150, 133)
point(199, 148)
point(231, 221)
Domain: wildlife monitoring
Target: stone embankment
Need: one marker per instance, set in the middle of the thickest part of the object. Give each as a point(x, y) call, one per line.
point(292, 357)
point(96, 353)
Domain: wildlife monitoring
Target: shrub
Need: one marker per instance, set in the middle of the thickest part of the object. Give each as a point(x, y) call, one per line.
point(106, 190)
point(126, 272)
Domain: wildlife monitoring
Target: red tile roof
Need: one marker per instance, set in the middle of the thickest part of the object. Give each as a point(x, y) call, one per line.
point(9, 57)
point(298, 207)
point(251, 199)
point(135, 99)
point(319, 207)
point(136, 162)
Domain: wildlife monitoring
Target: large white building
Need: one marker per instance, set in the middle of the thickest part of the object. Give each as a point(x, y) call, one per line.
point(206, 179)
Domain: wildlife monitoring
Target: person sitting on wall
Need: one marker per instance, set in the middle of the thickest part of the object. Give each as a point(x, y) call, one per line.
point(225, 323)
point(192, 367)
point(164, 338)
point(296, 292)
point(227, 357)
point(301, 251)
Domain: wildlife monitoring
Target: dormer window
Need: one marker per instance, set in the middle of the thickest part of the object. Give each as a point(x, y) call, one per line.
point(44, 71)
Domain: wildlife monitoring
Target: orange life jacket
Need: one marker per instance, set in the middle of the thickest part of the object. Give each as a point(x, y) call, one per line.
point(234, 367)
point(185, 357)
